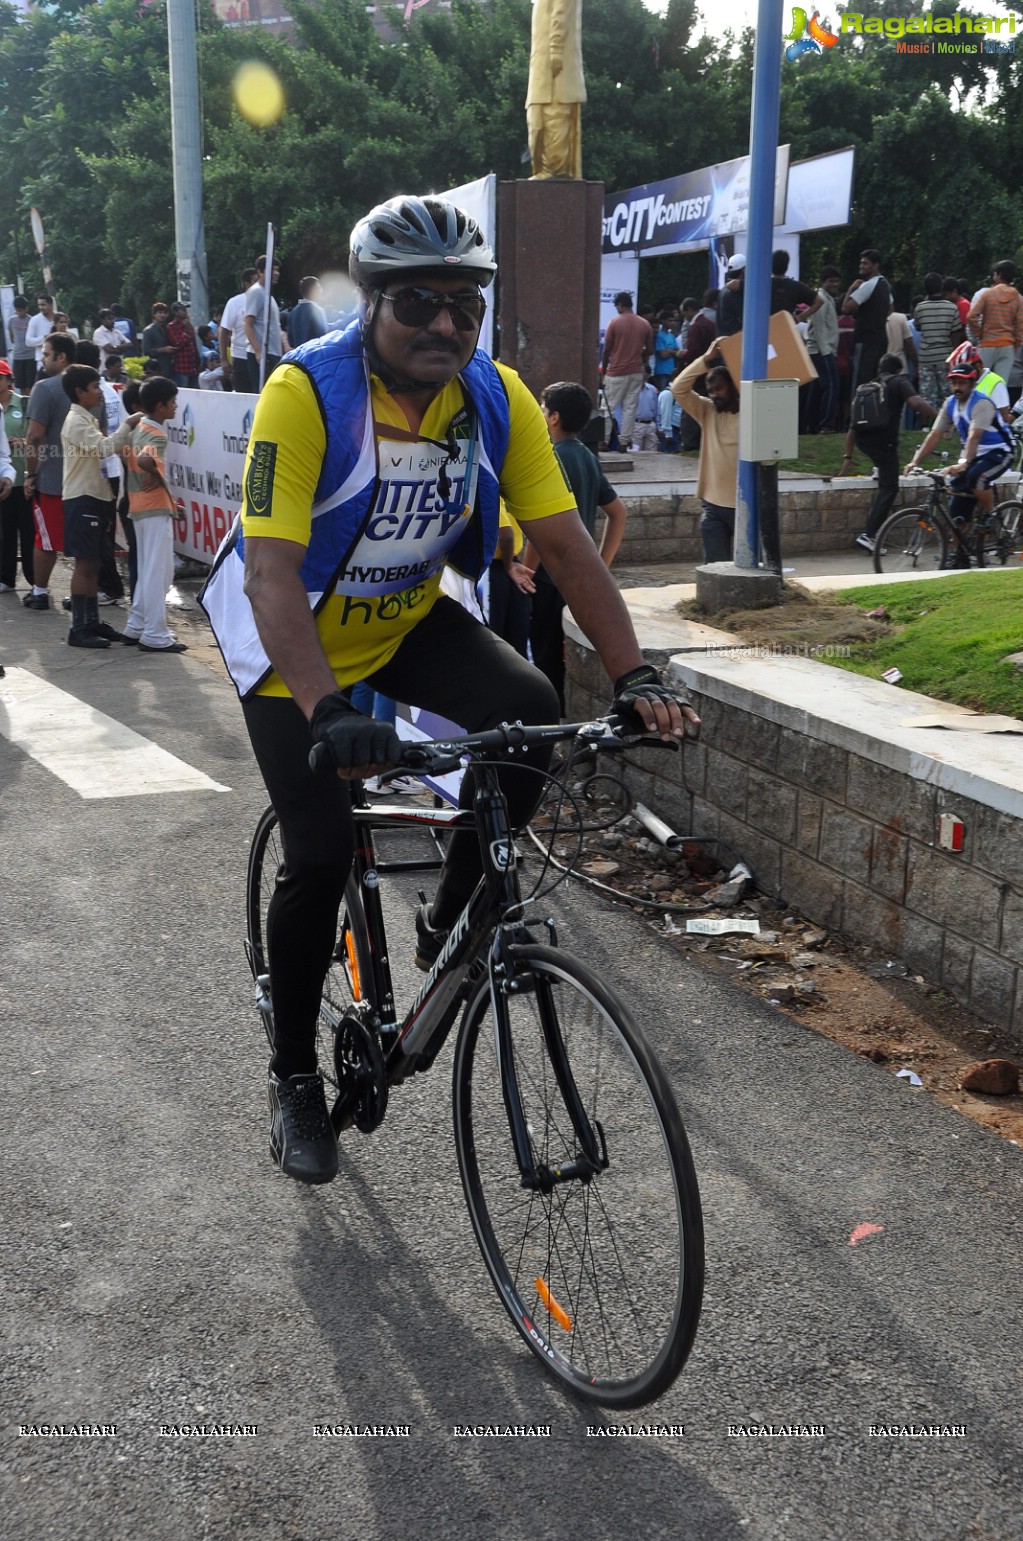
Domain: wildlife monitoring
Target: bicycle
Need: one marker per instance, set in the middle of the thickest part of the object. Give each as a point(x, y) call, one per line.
point(924, 537)
point(574, 1162)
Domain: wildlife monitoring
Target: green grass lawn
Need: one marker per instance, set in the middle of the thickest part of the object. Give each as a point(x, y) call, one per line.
point(820, 454)
point(951, 635)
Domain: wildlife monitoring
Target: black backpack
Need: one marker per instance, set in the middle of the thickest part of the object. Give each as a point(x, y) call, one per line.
point(869, 411)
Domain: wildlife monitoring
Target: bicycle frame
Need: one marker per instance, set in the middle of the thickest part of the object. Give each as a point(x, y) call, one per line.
point(494, 908)
point(937, 503)
point(495, 895)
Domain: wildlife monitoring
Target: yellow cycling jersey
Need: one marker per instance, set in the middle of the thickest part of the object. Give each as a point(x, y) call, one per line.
point(359, 638)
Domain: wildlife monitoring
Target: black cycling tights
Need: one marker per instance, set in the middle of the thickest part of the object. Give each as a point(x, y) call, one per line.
point(449, 664)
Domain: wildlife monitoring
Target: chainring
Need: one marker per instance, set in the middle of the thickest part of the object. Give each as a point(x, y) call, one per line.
point(361, 1077)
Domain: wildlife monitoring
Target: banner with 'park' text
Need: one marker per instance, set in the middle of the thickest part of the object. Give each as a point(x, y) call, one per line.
point(206, 444)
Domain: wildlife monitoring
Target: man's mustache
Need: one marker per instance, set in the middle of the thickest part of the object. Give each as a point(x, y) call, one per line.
point(436, 345)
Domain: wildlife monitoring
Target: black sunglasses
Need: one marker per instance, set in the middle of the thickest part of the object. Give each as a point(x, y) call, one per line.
point(418, 307)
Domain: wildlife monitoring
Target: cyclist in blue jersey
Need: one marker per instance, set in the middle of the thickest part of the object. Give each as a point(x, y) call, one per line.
point(973, 411)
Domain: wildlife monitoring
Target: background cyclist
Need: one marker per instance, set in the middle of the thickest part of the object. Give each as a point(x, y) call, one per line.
point(974, 410)
point(377, 455)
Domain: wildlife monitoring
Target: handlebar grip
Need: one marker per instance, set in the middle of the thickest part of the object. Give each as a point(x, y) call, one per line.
point(320, 760)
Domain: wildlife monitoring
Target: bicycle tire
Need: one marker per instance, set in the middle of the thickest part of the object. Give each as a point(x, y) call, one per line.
point(619, 1258)
point(347, 984)
point(910, 540)
point(1002, 539)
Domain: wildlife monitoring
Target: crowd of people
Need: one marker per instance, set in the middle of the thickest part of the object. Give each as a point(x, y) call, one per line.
point(224, 352)
point(81, 468)
point(847, 329)
point(878, 369)
point(81, 442)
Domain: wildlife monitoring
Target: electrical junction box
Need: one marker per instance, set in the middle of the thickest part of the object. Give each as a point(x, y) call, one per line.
point(950, 832)
point(769, 420)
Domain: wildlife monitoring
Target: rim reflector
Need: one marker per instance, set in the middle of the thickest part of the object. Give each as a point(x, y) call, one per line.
point(560, 1316)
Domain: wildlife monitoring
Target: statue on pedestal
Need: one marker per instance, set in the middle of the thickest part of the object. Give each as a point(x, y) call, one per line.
point(556, 89)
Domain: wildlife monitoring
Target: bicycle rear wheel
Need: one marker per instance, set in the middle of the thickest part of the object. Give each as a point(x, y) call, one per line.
point(910, 540)
point(348, 981)
point(603, 1278)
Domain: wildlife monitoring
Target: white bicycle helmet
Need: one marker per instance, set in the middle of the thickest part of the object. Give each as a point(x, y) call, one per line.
point(410, 234)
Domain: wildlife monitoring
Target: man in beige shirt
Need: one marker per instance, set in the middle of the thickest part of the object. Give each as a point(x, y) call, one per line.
point(86, 493)
point(718, 416)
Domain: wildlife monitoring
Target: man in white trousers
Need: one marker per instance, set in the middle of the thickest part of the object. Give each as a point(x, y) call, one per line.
point(152, 509)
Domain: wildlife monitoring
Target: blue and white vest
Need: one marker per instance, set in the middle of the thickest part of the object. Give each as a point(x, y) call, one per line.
point(995, 437)
point(350, 496)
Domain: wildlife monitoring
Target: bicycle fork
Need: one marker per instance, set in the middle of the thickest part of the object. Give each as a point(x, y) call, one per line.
point(592, 1154)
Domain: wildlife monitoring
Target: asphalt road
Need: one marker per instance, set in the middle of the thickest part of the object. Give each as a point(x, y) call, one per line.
point(157, 1271)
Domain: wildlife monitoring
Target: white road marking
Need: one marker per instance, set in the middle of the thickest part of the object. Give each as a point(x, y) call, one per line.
point(92, 753)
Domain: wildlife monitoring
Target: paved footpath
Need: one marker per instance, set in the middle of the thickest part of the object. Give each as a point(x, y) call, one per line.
point(157, 1272)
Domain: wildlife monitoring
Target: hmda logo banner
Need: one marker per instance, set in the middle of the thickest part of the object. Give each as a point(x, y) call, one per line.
point(205, 463)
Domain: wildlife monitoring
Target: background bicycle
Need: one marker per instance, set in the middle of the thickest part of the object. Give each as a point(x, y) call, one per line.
point(924, 538)
point(574, 1161)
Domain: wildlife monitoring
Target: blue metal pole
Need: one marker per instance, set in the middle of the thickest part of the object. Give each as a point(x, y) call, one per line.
point(763, 147)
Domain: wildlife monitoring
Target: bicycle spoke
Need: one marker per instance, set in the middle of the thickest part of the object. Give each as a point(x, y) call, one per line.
point(606, 1269)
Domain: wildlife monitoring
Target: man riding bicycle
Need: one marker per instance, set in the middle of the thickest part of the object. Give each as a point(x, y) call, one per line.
point(974, 411)
point(377, 455)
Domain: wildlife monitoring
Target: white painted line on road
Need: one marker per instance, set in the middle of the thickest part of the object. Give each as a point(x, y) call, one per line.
point(92, 753)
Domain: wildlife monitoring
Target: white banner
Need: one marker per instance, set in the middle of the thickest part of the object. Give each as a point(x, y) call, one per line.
point(820, 192)
point(616, 273)
point(479, 199)
point(206, 446)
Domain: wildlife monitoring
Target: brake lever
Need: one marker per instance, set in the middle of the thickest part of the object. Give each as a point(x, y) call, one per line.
point(428, 762)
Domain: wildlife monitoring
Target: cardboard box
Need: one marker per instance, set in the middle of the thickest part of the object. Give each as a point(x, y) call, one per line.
point(787, 358)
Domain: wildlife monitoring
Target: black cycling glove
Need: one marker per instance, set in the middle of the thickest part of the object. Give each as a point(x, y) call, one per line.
point(354, 741)
point(642, 681)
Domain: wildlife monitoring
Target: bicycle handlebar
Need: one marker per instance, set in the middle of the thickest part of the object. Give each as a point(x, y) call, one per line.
point(435, 757)
point(937, 477)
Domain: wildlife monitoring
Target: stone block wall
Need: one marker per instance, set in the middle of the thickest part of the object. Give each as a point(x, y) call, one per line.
point(849, 841)
point(665, 528)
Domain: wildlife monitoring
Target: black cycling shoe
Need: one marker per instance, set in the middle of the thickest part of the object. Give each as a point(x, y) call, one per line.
point(302, 1141)
point(429, 943)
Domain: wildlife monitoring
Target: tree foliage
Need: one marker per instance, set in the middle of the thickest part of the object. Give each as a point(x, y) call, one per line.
point(84, 107)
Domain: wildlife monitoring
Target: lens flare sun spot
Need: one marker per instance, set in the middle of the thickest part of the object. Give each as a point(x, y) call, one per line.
point(258, 94)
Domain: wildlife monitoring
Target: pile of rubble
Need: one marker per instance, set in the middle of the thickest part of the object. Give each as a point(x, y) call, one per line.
point(702, 896)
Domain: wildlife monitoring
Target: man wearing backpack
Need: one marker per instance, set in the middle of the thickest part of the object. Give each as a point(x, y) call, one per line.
point(874, 430)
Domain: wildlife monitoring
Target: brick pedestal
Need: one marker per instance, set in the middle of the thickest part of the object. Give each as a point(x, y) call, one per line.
point(549, 276)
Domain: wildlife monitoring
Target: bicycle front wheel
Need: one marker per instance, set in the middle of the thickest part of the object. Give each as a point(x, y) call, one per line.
point(603, 1277)
point(911, 540)
point(1000, 537)
point(348, 981)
